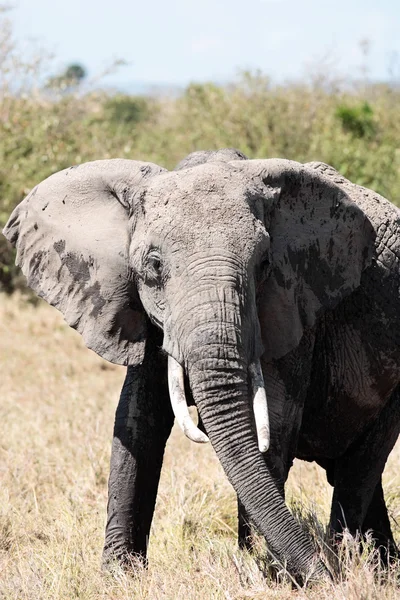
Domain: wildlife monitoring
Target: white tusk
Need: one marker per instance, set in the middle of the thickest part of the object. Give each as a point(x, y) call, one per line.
point(177, 396)
point(260, 406)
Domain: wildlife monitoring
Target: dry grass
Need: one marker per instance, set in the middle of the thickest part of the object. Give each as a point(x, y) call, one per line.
point(56, 417)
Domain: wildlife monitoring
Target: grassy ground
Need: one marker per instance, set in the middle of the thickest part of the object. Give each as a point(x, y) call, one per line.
point(56, 416)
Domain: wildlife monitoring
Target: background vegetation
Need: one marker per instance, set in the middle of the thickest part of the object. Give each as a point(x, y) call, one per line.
point(48, 122)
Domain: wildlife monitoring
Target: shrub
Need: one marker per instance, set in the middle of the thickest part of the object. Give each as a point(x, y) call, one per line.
point(357, 120)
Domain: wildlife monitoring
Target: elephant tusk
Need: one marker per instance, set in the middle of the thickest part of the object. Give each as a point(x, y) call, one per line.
point(260, 406)
point(177, 396)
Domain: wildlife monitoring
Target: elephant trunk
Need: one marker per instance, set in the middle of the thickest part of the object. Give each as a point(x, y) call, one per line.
point(220, 390)
point(216, 342)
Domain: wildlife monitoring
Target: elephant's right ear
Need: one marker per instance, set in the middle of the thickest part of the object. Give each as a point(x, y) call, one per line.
point(71, 235)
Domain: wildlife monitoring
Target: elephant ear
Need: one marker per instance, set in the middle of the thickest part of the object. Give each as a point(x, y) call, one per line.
point(71, 235)
point(320, 242)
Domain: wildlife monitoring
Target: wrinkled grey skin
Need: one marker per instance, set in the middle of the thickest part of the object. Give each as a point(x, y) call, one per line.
point(219, 263)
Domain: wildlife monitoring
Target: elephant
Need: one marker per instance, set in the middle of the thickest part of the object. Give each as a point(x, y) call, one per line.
point(266, 293)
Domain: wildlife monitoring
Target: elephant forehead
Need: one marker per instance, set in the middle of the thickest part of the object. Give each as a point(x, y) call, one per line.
point(216, 184)
point(200, 197)
point(204, 206)
point(198, 227)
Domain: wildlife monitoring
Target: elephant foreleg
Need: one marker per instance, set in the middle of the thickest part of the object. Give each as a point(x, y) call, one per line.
point(142, 425)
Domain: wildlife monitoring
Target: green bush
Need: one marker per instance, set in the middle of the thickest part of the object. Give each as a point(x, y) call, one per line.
point(357, 120)
point(125, 110)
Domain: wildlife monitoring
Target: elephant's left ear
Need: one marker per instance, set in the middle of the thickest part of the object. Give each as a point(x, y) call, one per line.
point(72, 237)
point(321, 241)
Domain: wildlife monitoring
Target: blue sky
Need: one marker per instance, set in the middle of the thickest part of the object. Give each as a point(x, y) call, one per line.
point(177, 41)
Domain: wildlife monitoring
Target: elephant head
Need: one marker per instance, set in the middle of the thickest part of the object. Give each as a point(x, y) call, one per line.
point(231, 258)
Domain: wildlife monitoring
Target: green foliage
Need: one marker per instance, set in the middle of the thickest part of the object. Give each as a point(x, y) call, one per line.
point(357, 120)
point(125, 110)
point(41, 131)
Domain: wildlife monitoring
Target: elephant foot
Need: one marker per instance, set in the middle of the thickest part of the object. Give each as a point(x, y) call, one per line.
point(387, 553)
point(246, 542)
point(245, 536)
point(124, 559)
point(375, 530)
point(386, 549)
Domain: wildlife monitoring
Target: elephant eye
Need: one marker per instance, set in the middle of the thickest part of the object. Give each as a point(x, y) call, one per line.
point(153, 265)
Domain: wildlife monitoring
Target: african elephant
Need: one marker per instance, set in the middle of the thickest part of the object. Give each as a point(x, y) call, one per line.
point(263, 291)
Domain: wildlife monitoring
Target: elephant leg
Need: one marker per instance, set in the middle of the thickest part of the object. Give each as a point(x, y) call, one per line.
point(357, 473)
point(377, 522)
point(245, 541)
point(143, 423)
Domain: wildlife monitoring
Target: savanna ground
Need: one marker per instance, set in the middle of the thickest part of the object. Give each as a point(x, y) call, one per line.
point(56, 416)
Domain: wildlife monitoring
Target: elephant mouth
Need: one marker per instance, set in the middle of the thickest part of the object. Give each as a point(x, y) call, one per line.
point(180, 407)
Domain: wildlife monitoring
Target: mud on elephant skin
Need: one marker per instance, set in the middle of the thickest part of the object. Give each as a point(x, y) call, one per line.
point(267, 290)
